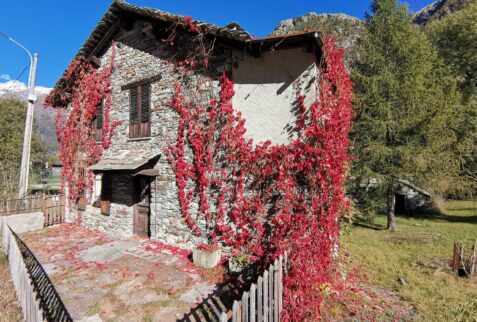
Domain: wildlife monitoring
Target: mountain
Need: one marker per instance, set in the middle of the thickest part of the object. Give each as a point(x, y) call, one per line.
point(346, 29)
point(45, 118)
point(439, 9)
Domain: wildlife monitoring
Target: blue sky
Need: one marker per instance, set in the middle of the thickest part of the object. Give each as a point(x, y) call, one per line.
point(56, 29)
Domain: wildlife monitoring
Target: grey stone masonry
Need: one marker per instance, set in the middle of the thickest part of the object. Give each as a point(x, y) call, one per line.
point(138, 55)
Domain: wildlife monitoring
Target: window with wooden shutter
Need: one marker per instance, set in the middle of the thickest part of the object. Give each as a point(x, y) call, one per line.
point(98, 122)
point(140, 111)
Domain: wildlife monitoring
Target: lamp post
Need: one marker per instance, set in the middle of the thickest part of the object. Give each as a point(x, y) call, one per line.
point(25, 164)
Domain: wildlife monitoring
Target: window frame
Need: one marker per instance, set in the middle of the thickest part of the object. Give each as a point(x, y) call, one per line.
point(98, 130)
point(139, 127)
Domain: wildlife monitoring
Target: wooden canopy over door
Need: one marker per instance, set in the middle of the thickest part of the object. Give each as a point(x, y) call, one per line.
point(142, 207)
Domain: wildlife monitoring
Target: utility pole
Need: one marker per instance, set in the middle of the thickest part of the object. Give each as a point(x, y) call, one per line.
point(25, 165)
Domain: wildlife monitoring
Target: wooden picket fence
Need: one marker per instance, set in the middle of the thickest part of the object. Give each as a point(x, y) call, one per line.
point(35, 292)
point(20, 206)
point(52, 206)
point(264, 301)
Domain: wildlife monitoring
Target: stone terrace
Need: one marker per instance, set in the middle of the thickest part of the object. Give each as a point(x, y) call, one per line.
point(103, 278)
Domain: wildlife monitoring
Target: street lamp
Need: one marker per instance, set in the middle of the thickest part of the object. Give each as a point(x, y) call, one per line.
point(25, 164)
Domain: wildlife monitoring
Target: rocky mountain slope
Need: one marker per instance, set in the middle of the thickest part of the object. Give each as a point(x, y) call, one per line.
point(346, 29)
point(45, 118)
point(439, 9)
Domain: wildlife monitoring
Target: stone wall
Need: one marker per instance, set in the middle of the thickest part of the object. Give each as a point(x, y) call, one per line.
point(414, 200)
point(139, 55)
point(120, 219)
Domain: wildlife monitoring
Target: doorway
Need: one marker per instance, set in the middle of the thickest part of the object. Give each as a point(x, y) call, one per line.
point(400, 207)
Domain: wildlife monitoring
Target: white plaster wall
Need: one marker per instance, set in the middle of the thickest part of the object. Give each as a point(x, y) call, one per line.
point(265, 92)
point(22, 223)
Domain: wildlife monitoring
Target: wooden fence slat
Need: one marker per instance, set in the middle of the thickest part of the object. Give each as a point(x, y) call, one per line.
point(245, 307)
point(259, 299)
point(252, 311)
point(223, 317)
point(265, 296)
point(275, 292)
point(280, 285)
point(270, 293)
point(238, 314)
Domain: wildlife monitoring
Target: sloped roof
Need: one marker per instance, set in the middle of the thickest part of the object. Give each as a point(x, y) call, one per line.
point(119, 7)
point(125, 160)
point(234, 37)
point(414, 187)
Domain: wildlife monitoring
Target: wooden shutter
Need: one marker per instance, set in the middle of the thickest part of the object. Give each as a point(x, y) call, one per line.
point(98, 128)
point(133, 106)
point(106, 194)
point(99, 116)
point(145, 102)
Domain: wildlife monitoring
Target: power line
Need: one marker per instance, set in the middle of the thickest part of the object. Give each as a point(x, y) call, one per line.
point(20, 75)
point(24, 69)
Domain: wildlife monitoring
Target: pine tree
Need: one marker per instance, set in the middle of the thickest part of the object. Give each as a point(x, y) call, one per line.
point(407, 109)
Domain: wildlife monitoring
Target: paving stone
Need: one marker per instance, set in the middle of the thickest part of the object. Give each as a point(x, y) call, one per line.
point(108, 251)
point(197, 293)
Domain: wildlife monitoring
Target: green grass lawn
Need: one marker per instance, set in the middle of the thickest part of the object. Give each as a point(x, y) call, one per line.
point(420, 252)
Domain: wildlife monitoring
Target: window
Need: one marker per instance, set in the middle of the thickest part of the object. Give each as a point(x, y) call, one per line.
point(98, 122)
point(139, 111)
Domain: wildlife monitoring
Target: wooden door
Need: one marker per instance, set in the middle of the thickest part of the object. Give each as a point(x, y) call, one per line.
point(141, 221)
point(141, 209)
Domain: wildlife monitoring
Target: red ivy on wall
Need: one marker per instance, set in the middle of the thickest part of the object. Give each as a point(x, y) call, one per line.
point(266, 199)
point(75, 132)
point(261, 199)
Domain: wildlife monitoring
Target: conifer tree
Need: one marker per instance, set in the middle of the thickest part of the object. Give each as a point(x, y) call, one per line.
point(407, 108)
point(455, 37)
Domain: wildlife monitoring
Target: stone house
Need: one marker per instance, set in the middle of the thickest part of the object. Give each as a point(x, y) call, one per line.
point(135, 190)
point(411, 199)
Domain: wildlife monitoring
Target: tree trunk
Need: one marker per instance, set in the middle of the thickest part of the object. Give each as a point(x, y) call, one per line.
point(391, 207)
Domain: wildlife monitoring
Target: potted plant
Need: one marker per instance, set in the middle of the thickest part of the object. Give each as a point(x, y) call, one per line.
point(206, 255)
point(241, 264)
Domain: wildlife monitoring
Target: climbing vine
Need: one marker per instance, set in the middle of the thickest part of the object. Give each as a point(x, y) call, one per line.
point(259, 198)
point(78, 148)
point(264, 199)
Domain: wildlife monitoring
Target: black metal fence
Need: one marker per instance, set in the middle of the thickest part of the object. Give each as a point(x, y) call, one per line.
point(39, 299)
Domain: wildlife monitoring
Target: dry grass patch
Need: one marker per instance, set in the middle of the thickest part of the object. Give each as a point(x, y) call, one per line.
point(9, 307)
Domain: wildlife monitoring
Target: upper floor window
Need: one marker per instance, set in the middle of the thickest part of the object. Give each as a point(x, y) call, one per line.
point(98, 122)
point(140, 111)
